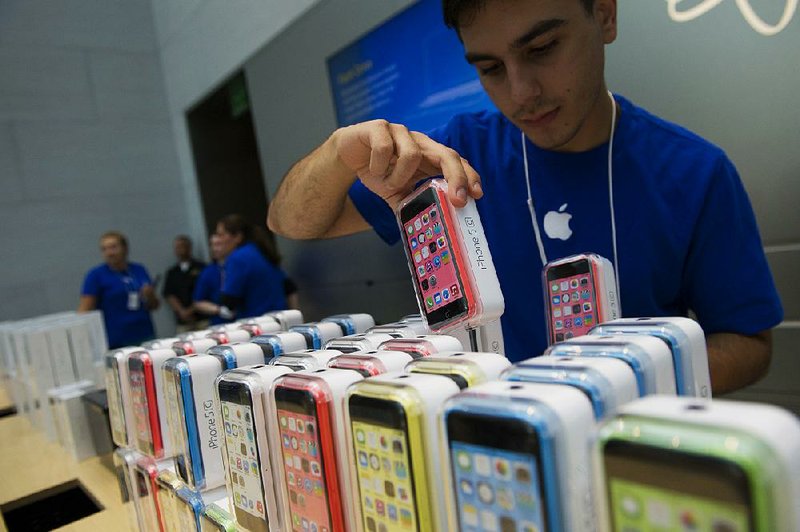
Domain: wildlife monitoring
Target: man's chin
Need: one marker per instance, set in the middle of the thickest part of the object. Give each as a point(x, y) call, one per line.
point(543, 142)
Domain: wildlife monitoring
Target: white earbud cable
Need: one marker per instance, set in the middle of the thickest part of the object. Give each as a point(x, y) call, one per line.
point(539, 242)
point(611, 192)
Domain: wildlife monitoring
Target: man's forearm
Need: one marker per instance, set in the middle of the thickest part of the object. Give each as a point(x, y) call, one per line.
point(736, 360)
point(312, 195)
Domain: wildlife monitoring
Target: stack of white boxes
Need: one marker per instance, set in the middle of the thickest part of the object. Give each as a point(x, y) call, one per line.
point(48, 363)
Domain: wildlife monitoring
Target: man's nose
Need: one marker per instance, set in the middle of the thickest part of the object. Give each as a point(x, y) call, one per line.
point(525, 86)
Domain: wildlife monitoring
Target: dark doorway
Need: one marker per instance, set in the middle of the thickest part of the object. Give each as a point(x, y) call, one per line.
point(226, 160)
point(49, 509)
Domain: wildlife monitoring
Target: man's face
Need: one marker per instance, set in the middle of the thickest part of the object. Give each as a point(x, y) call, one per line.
point(183, 249)
point(541, 62)
point(113, 251)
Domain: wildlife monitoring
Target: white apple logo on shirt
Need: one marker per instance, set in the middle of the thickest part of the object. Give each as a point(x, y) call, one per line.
point(556, 224)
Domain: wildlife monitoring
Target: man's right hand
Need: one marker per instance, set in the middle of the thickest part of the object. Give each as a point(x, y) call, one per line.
point(390, 160)
point(312, 200)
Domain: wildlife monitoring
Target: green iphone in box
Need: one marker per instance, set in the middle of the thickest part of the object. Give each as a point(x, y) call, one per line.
point(673, 463)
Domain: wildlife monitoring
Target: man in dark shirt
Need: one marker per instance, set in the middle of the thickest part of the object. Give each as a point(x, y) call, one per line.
point(179, 285)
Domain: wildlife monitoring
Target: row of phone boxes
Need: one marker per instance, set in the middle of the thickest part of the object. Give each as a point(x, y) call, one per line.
point(556, 400)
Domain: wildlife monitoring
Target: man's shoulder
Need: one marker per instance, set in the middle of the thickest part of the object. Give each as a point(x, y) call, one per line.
point(244, 254)
point(97, 271)
point(650, 134)
point(135, 267)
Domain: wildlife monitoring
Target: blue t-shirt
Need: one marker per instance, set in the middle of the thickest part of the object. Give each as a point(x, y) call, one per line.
point(110, 288)
point(208, 288)
point(255, 280)
point(686, 233)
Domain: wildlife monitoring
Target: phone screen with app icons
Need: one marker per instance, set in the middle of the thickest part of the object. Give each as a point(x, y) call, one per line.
point(428, 240)
point(141, 414)
point(383, 465)
point(571, 300)
point(302, 460)
point(658, 489)
point(496, 474)
point(244, 462)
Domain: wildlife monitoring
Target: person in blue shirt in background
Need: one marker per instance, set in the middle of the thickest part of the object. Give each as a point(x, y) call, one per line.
point(685, 238)
point(123, 291)
point(253, 282)
point(208, 291)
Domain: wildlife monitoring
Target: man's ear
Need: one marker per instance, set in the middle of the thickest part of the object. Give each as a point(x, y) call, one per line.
point(605, 13)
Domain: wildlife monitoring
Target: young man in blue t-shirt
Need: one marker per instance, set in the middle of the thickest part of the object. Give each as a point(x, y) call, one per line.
point(123, 291)
point(666, 206)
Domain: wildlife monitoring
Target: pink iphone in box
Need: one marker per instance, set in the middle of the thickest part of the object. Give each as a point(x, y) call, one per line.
point(448, 254)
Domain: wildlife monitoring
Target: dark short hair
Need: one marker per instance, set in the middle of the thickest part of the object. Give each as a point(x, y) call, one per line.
point(122, 239)
point(184, 238)
point(454, 10)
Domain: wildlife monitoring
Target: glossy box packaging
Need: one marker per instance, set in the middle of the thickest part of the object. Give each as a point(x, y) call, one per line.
point(423, 345)
point(352, 323)
point(685, 463)
point(193, 419)
point(371, 363)
point(392, 422)
point(608, 383)
point(243, 396)
point(449, 260)
point(464, 368)
point(580, 291)
point(148, 402)
point(687, 342)
point(648, 357)
point(118, 391)
point(313, 449)
point(518, 457)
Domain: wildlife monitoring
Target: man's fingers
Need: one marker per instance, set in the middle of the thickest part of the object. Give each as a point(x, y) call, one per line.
point(408, 156)
point(473, 180)
point(456, 176)
point(398, 158)
point(462, 179)
point(381, 148)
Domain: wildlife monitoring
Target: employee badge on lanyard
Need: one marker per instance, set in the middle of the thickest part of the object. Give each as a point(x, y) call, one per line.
point(133, 293)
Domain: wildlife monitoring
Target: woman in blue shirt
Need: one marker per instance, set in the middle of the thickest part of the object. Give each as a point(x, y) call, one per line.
point(123, 291)
point(253, 282)
point(207, 291)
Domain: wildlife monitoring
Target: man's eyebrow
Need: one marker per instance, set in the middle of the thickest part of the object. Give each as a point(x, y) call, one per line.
point(538, 29)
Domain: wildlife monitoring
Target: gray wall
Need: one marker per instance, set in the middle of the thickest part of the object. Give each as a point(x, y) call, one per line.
point(715, 75)
point(293, 112)
point(85, 146)
point(201, 44)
